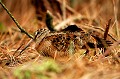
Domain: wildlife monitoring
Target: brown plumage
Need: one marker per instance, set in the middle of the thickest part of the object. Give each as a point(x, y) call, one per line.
point(59, 42)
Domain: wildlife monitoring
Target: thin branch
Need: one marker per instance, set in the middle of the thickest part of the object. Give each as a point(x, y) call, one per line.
point(27, 45)
point(107, 29)
point(15, 21)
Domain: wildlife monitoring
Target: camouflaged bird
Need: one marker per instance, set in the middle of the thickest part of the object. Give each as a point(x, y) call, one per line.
point(67, 41)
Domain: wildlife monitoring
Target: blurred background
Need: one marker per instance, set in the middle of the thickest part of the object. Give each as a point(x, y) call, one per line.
point(32, 13)
point(26, 11)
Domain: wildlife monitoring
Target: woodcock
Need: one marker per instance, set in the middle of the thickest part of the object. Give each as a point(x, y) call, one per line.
point(67, 41)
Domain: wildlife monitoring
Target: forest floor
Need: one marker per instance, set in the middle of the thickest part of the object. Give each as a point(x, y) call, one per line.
point(30, 64)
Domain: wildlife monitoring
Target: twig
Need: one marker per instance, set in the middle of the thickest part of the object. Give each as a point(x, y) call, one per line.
point(17, 50)
point(107, 29)
point(27, 45)
point(15, 21)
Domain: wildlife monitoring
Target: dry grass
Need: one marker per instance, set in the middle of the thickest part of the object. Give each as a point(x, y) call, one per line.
point(87, 14)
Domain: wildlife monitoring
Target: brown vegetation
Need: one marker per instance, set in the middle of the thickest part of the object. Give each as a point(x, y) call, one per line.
point(41, 60)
